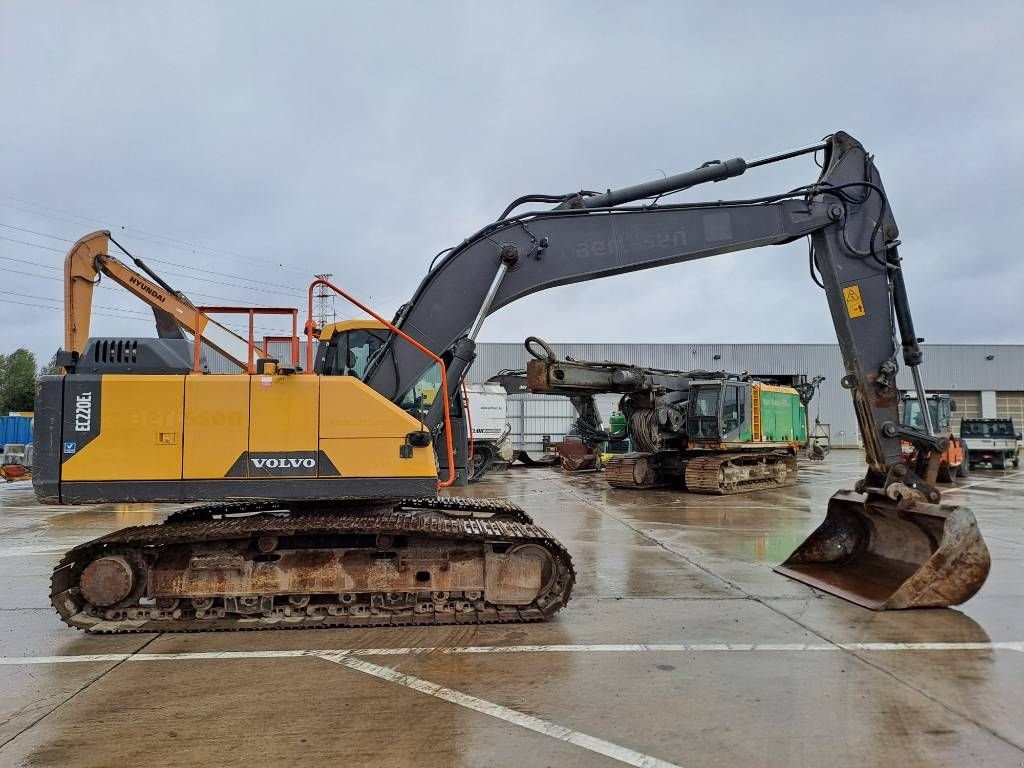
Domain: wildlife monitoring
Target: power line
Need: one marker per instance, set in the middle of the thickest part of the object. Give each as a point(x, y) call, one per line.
point(58, 309)
point(244, 328)
point(190, 277)
point(175, 274)
point(58, 301)
point(102, 285)
point(148, 258)
point(190, 248)
point(262, 329)
point(34, 245)
point(31, 263)
point(171, 242)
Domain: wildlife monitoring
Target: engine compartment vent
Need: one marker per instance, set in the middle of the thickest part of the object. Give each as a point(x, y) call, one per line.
point(116, 351)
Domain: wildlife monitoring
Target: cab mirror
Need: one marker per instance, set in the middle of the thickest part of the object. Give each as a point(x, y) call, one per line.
point(952, 405)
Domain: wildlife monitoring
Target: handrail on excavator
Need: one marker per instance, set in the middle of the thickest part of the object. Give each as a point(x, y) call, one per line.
point(449, 448)
point(197, 338)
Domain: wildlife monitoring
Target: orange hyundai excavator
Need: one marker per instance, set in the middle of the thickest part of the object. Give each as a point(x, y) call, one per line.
point(318, 488)
point(89, 260)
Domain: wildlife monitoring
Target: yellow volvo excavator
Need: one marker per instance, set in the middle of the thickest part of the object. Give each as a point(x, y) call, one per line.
point(318, 479)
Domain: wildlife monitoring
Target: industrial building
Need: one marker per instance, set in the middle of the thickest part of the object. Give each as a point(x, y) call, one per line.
point(984, 380)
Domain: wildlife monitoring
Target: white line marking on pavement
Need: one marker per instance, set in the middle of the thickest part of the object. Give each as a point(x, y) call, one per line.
point(35, 551)
point(555, 731)
point(484, 649)
point(984, 481)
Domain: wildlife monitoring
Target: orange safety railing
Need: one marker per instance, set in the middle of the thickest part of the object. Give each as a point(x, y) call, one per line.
point(469, 427)
point(449, 448)
point(292, 340)
point(251, 312)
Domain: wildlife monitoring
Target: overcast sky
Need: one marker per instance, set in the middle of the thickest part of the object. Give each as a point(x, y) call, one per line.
point(360, 139)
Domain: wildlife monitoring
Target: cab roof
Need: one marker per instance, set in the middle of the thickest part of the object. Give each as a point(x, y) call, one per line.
point(368, 324)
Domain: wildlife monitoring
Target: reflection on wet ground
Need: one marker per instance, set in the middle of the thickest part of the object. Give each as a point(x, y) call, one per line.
point(716, 659)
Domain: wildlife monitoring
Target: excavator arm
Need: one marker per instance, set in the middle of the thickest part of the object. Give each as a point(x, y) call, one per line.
point(845, 213)
point(88, 259)
point(854, 246)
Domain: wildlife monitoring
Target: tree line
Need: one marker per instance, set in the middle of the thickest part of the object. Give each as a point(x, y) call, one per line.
point(18, 372)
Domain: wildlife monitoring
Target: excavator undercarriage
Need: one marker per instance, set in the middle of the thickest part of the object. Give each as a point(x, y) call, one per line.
point(262, 565)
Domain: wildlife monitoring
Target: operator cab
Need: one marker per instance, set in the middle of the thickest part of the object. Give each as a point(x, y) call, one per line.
point(346, 347)
point(940, 409)
point(718, 410)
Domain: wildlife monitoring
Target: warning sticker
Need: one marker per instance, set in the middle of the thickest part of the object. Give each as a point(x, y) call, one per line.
point(854, 305)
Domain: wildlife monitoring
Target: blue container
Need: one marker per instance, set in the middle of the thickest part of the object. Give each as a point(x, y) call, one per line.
point(15, 429)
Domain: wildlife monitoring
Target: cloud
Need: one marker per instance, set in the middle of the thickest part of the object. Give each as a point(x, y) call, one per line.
point(360, 140)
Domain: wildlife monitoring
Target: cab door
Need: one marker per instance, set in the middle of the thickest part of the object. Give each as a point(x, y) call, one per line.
point(735, 423)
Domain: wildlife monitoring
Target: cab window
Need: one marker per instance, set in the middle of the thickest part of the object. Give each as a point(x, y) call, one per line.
point(349, 352)
point(421, 395)
point(704, 413)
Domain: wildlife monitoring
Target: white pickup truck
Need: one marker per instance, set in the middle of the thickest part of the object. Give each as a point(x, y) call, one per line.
point(991, 440)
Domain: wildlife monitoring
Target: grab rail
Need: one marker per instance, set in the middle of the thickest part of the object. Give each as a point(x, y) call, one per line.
point(397, 331)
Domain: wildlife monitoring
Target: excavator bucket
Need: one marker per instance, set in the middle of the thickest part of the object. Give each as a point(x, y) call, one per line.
point(883, 555)
point(576, 456)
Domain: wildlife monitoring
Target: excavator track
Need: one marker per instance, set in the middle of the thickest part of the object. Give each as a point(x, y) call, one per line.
point(728, 473)
point(632, 470)
point(254, 565)
point(452, 506)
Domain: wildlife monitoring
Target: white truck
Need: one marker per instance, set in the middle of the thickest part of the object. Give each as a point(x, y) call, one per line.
point(991, 440)
point(492, 448)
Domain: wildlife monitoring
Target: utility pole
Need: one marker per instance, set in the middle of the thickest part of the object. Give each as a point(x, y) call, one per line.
point(325, 312)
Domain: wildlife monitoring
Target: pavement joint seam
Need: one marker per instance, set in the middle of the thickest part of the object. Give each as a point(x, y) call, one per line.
point(87, 685)
point(515, 717)
point(963, 715)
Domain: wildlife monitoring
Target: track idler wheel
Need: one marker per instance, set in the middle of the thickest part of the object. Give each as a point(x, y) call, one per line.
point(106, 581)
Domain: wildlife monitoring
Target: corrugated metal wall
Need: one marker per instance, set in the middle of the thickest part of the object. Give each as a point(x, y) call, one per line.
point(534, 417)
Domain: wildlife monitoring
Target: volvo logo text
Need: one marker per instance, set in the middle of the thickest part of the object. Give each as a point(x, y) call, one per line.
point(283, 463)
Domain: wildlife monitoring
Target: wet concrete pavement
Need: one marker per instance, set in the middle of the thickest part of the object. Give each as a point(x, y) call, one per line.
point(680, 647)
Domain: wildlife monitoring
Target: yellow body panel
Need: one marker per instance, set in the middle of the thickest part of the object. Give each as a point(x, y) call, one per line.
point(198, 427)
point(361, 432)
point(216, 424)
point(141, 438)
point(378, 457)
point(283, 413)
point(349, 408)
